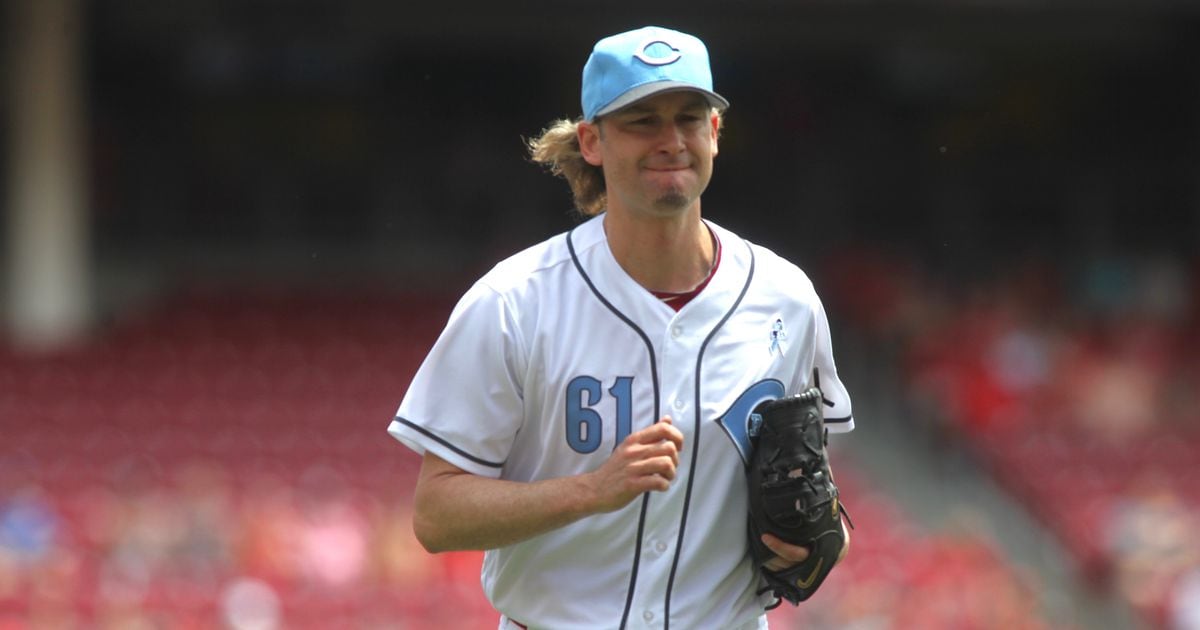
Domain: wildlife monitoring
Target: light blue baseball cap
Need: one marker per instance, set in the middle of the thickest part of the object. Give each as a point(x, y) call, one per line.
point(630, 66)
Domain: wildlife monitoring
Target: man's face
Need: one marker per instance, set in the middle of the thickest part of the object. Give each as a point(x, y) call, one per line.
point(657, 154)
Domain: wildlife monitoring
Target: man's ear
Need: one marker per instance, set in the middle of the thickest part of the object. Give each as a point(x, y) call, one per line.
point(715, 124)
point(589, 142)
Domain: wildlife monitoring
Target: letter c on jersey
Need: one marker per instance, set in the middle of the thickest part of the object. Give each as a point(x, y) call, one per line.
point(736, 421)
point(645, 58)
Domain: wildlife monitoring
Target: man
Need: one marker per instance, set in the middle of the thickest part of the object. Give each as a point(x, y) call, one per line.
point(583, 415)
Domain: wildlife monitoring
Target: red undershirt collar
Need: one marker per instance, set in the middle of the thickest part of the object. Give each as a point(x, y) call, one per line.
point(679, 300)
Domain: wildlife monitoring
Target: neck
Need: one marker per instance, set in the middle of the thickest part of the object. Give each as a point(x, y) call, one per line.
point(671, 254)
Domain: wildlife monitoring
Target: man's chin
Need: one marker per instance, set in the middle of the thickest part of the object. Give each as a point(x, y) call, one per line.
point(672, 202)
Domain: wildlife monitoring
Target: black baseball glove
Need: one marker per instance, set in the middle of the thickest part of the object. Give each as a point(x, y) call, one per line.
point(792, 494)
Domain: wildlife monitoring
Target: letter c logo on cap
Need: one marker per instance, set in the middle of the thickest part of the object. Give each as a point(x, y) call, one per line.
point(657, 61)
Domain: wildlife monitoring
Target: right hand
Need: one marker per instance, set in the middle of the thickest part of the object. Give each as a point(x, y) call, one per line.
point(645, 461)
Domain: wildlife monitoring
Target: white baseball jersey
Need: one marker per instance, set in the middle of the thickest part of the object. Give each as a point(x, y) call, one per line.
point(556, 355)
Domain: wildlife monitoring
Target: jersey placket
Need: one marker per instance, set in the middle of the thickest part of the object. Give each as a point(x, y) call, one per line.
point(677, 359)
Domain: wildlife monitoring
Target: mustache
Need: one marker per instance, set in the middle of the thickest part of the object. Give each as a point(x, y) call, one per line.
point(667, 165)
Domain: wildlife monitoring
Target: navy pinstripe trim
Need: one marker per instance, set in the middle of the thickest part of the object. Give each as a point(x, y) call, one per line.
point(828, 403)
point(637, 552)
point(687, 497)
point(439, 440)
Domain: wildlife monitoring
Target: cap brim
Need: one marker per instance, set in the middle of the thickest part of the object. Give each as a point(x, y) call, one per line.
point(646, 90)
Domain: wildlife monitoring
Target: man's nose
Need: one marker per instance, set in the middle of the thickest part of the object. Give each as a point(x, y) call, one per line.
point(671, 137)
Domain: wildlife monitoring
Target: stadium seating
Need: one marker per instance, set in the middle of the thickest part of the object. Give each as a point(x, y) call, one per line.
point(1088, 414)
point(221, 459)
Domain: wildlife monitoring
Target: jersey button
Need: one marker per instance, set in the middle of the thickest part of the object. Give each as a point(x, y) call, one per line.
point(676, 332)
point(648, 615)
point(660, 546)
point(679, 404)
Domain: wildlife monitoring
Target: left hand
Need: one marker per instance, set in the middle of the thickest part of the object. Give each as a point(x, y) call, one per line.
point(787, 555)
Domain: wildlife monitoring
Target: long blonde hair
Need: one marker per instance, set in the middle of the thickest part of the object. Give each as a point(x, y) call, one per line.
point(558, 150)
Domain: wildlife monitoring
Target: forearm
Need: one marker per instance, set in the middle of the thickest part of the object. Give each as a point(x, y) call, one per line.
point(454, 509)
point(457, 511)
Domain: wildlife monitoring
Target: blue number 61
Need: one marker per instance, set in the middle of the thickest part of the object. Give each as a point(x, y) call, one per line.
point(584, 424)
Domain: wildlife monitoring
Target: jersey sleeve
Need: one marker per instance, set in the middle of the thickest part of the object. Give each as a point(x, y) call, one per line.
point(465, 401)
point(838, 418)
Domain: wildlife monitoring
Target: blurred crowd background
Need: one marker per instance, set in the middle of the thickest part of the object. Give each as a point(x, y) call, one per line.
point(232, 230)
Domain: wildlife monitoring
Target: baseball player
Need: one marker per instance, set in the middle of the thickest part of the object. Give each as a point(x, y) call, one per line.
point(583, 416)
